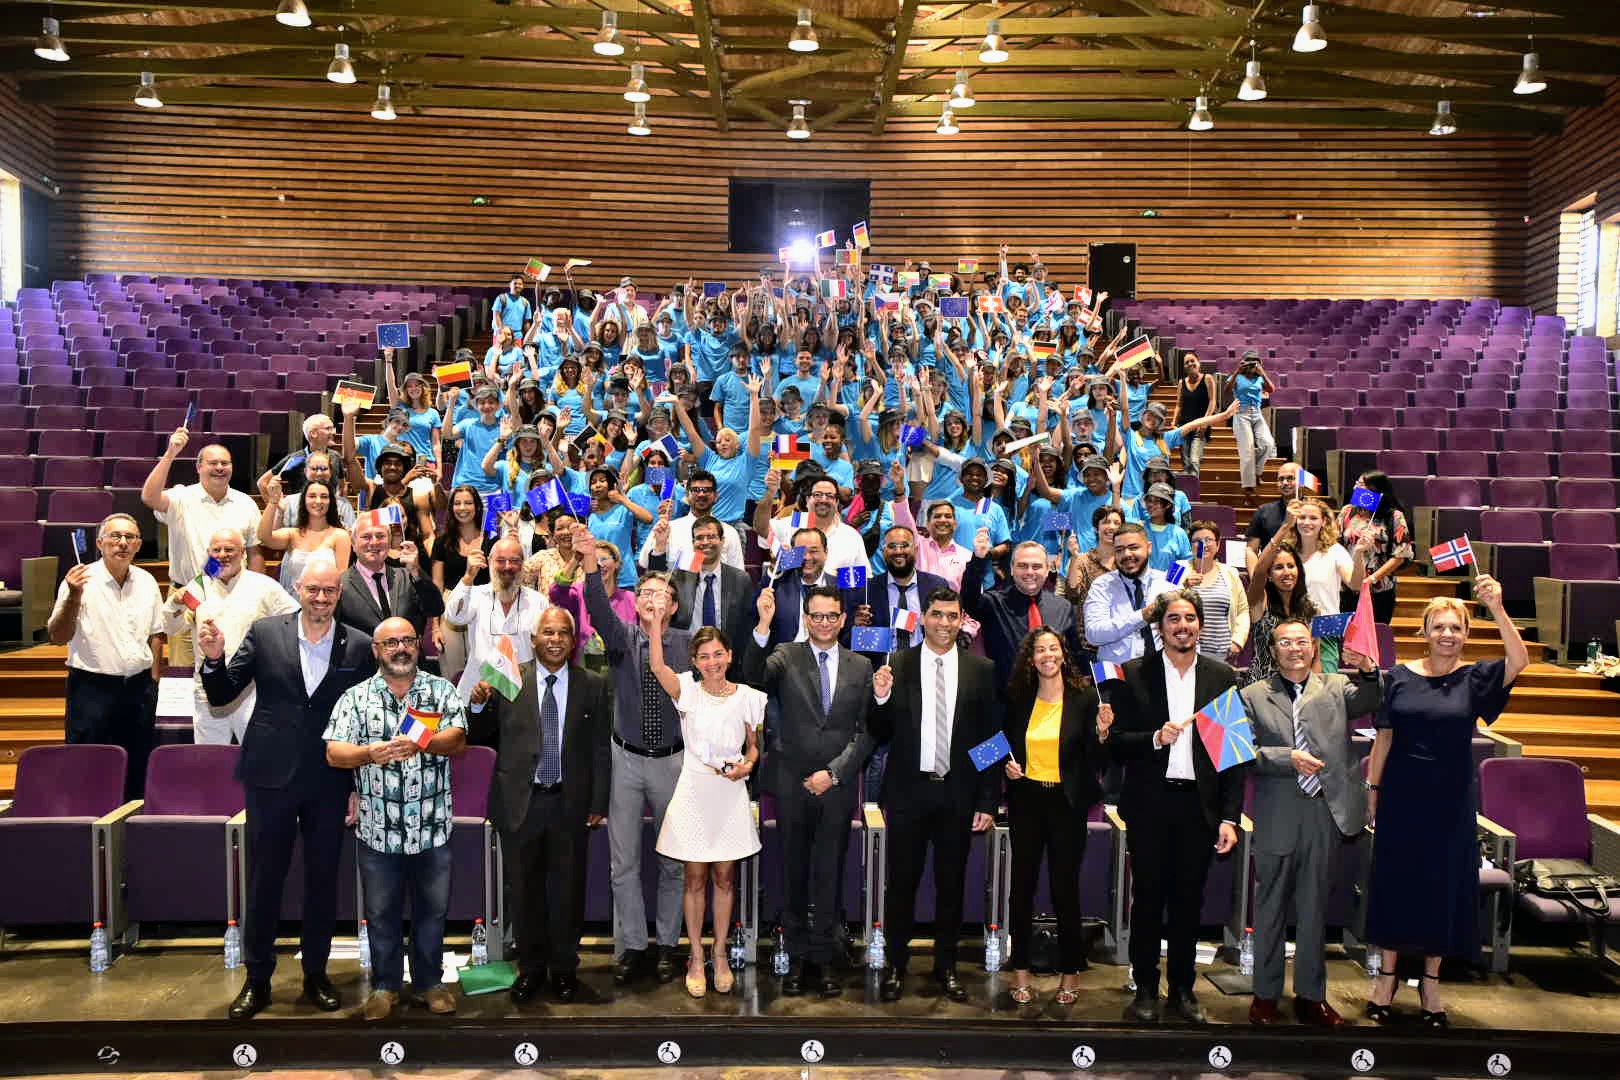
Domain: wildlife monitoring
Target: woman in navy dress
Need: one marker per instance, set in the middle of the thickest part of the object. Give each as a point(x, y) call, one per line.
point(1425, 880)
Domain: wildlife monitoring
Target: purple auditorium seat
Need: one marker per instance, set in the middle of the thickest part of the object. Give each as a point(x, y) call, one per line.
point(18, 504)
point(52, 375)
point(1386, 396)
point(1538, 380)
point(1451, 491)
point(14, 442)
point(1535, 399)
point(59, 443)
point(1289, 397)
point(1587, 440)
point(176, 867)
point(132, 444)
point(1511, 527)
point(1588, 418)
point(1579, 466)
point(272, 401)
point(54, 395)
point(1529, 418)
point(1404, 463)
point(1361, 438)
point(128, 472)
point(1519, 492)
point(65, 796)
point(1435, 399)
point(138, 358)
point(1585, 527)
point(1479, 416)
point(212, 380)
point(1413, 438)
point(1425, 417)
point(60, 416)
point(1341, 396)
point(98, 360)
point(72, 472)
point(1577, 600)
point(121, 419)
point(1490, 380)
point(1527, 441)
point(234, 422)
point(144, 378)
point(255, 380)
point(1467, 440)
point(1585, 494)
point(78, 506)
point(1462, 463)
point(306, 382)
point(471, 851)
point(166, 397)
point(1524, 463)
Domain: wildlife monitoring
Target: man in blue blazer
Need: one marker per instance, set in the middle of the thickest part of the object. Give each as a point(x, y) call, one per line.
point(789, 588)
point(301, 663)
point(903, 588)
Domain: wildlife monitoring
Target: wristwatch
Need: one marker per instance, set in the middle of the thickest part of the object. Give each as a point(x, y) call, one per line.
point(1369, 785)
point(834, 776)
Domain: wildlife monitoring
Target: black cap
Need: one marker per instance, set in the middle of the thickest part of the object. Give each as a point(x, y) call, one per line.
point(404, 451)
point(869, 468)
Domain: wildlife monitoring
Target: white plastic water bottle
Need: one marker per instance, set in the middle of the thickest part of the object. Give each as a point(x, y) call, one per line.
point(233, 946)
point(992, 949)
point(779, 959)
point(1246, 953)
point(100, 952)
point(876, 948)
point(365, 947)
point(1374, 961)
point(737, 948)
point(480, 943)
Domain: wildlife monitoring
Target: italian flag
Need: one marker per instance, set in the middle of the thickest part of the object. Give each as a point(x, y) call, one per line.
point(501, 670)
point(193, 596)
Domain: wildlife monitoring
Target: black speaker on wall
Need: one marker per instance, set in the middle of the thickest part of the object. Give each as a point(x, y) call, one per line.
point(1112, 267)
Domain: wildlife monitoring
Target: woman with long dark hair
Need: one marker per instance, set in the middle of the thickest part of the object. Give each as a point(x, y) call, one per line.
point(1391, 547)
point(1276, 592)
point(1055, 726)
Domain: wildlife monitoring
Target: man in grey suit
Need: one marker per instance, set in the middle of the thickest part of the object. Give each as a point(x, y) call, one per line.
point(815, 753)
point(1308, 797)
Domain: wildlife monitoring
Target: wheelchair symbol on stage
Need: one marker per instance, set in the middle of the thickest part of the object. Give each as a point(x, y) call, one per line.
point(669, 1051)
point(526, 1054)
point(1499, 1064)
point(245, 1055)
point(1219, 1057)
point(812, 1051)
point(1083, 1057)
point(1363, 1060)
point(108, 1055)
point(392, 1053)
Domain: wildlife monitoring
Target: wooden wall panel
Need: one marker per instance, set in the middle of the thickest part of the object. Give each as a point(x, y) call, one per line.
point(325, 195)
point(1584, 160)
point(27, 139)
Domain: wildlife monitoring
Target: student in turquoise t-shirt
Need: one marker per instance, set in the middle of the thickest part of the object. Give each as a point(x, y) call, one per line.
point(731, 464)
point(476, 437)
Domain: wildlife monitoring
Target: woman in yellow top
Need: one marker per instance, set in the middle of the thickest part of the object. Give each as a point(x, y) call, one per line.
point(1055, 727)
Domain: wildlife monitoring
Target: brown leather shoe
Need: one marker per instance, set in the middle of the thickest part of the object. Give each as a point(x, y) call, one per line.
point(1317, 1014)
point(439, 1000)
point(380, 1005)
point(1264, 1011)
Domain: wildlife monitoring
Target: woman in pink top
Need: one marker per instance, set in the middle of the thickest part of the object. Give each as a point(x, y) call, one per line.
point(570, 595)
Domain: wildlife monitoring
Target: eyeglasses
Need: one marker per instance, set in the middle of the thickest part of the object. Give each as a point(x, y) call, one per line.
point(824, 617)
point(398, 642)
point(319, 590)
point(122, 537)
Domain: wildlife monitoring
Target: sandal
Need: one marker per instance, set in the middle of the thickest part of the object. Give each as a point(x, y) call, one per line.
point(696, 985)
point(1023, 993)
point(723, 979)
point(1065, 995)
point(1383, 1013)
point(1438, 1018)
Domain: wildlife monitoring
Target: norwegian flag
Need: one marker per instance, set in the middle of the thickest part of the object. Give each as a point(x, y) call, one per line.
point(1452, 555)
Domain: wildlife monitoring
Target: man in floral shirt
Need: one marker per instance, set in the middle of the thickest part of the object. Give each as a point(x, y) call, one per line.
point(398, 730)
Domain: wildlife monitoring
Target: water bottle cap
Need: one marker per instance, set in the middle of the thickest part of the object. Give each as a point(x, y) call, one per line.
point(230, 922)
point(993, 926)
point(478, 922)
point(95, 926)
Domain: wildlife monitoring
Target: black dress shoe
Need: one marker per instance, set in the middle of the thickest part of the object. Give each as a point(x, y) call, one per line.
point(667, 967)
point(254, 998)
point(628, 966)
point(526, 986)
point(563, 987)
point(1145, 1008)
point(793, 981)
point(893, 984)
point(1183, 1006)
point(950, 986)
point(321, 993)
point(828, 983)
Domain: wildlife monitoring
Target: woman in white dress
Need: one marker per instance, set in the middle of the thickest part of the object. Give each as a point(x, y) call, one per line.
point(709, 823)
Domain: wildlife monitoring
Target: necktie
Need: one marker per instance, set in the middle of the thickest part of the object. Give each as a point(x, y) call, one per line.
point(826, 685)
point(1310, 785)
point(1032, 619)
point(382, 592)
point(652, 706)
point(709, 617)
point(1136, 605)
point(942, 721)
point(550, 768)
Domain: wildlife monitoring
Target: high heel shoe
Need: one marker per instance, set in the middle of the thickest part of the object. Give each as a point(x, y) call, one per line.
point(1065, 995)
point(1437, 1019)
point(723, 979)
point(696, 985)
point(1383, 1013)
point(1022, 993)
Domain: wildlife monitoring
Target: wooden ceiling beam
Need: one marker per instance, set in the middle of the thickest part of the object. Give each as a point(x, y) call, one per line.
point(347, 99)
point(1093, 59)
point(711, 62)
point(904, 23)
point(1347, 23)
point(842, 113)
point(828, 20)
point(487, 11)
point(753, 84)
point(1091, 26)
point(1555, 58)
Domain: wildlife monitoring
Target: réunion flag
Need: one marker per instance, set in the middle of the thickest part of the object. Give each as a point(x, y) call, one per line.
point(1223, 726)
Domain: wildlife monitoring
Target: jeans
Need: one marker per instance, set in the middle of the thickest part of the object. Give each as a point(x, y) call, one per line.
point(386, 878)
point(1255, 443)
point(1192, 452)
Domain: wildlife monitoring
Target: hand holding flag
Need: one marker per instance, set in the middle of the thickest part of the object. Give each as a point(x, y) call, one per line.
point(1225, 730)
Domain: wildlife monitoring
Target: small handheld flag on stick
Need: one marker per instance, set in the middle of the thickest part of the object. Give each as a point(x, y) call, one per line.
point(863, 238)
point(1102, 672)
point(1223, 726)
point(906, 620)
point(494, 506)
point(1134, 352)
point(191, 414)
point(1330, 626)
point(81, 547)
point(967, 266)
point(827, 239)
point(1362, 634)
point(1452, 555)
point(1365, 499)
point(385, 516)
point(1175, 573)
point(871, 639)
point(994, 749)
point(852, 577)
point(501, 669)
point(788, 559)
point(1307, 480)
point(691, 562)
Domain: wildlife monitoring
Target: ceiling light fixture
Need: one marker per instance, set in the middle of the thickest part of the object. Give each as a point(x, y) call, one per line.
point(804, 35)
point(1201, 120)
point(1254, 84)
point(1445, 123)
point(608, 42)
point(147, 95)
point(947, 123)
point(383, 107)
point(638, 123)
point(340, 70)
point(961, 93)
point(636, 89)
point(799, 128)
point(994, 48)
point(293, 13)
point(1310, 37)
point(1531, 81)
point(50, 45)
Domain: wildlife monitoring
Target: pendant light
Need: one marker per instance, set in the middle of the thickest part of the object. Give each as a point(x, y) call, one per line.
point(636, 89)
point(383, 107)
point(608, 42)
point(1254, 84)
point(293, 13)
point(1310, 37)
point(50, 45)
point(340, 70)
point(1531, 81)
point(638, 123)
point(147, 95)
point(804, 35)
point(994, 48)
point(799, 128)
point(947, 123)
point(1445, 123)
point(961, 93)
point(1201, 120)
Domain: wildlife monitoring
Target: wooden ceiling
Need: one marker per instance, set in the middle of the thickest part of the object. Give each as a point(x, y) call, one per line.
point(1139, 62)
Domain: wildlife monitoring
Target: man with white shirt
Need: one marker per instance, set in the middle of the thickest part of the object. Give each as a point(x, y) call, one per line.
point(109, 614)
point(489, 612)
point(845, 547)
point(1178, 808)
point(701, 491)
point(235, 599)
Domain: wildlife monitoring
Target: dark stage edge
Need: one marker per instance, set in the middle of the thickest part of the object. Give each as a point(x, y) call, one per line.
point(122, 1048)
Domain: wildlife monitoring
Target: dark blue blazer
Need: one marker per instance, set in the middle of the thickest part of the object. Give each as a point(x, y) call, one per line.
point(790, 605)
point(924, 583)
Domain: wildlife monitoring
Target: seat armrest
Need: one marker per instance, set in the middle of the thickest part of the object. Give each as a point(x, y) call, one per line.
point(120, 815)
point(872, 813)
point(107, 848)
point(5, 806)
point(1605, 844)
point(1501, 843)
point(1505, 747)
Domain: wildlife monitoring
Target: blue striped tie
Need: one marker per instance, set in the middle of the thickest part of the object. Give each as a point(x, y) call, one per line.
point(1310, 785)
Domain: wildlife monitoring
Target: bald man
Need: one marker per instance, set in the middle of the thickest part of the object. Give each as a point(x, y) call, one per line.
point(500, 608)
point(300, 664)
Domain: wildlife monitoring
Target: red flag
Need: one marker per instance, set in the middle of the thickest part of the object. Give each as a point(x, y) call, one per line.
point(1362, 634)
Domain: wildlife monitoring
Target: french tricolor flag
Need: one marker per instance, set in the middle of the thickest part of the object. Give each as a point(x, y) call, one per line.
point(1102, 672)
point(785, 444)
point(907, 620)
point(420, 726)
point(1307, 480)
point(691, 561)
point(385, 516)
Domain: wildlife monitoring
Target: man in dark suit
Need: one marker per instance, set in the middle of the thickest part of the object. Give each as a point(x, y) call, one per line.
point(1010, 610)
point(791, 587)
point(717, 595)
point(374, 591)
point(817, 745)
point(902, 588)
point(934, 704)
point(551, 785)
point(300, 664)
point(1177, 807)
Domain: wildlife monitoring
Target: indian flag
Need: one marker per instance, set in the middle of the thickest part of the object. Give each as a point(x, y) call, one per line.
point(501, 670)
point(420, 726)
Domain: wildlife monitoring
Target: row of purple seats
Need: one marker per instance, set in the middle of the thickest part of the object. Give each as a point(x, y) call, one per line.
point(1504, 492)
point(1350, 397)
point(1323, 416)
point(1505, 463)
point(64, 442)
point(1588, 440)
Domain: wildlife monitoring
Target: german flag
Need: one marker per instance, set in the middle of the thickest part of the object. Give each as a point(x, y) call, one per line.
point(450, 374)
point(1135, 352)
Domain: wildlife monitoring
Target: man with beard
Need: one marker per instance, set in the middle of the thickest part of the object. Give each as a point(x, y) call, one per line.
point(701, 491)
point(398, 731)
point(901, 589)
point(502, 608)
point(1011, 610)
point(844, 544)
point(401, 480)
point(1116, 607)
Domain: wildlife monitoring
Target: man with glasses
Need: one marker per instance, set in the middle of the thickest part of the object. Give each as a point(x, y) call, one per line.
point(398, 731)
point(109, 614)
point(701, 491)
point(300, 664)
point(500, 608)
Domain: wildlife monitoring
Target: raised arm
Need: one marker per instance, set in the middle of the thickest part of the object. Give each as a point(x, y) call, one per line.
point(693, 437)
point(152, 494)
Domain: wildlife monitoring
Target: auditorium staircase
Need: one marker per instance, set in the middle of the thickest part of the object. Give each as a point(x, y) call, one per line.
point(1553, 712)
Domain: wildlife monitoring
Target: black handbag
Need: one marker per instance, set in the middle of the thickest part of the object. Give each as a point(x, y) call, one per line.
point(1574, 883)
